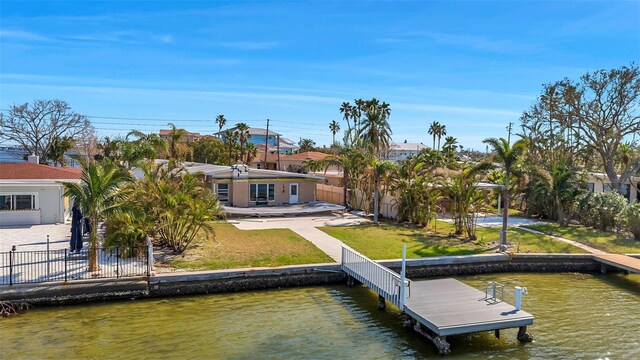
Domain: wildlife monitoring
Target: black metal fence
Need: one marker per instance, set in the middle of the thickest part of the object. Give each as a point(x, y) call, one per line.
point(19, 267)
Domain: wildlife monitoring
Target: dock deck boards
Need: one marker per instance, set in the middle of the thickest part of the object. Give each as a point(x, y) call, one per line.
point(624, 262)
point(449, 307)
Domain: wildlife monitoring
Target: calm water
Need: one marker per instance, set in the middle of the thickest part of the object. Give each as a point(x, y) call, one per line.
point(577, 316)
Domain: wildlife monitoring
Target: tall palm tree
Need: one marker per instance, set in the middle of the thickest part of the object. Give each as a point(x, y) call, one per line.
point(450, 146)
point(177, 148)
point(252, 152)
point(242, 129)
point(146, 146)
point(442, 131)
point(509, 156)
point(110, 147)
point(375, 130)
point(434, 129)
point(98, 194)
point(230, 138)
point(334, 127)
point(345, 109)
point(221, 121)
point(380, 168)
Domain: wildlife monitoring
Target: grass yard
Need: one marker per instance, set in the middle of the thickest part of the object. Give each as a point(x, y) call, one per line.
point(234, 248)
point(385, 241)
point(605, 241)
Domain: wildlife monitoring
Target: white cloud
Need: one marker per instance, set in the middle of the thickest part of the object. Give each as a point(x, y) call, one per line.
point(23, 35)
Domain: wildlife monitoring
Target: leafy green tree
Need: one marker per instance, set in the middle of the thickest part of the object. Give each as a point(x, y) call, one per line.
point(630, 219)
point(98, 194)
point(209, 150)
point(509, 156)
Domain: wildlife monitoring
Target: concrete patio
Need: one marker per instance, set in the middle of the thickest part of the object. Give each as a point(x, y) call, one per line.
point(283, 210)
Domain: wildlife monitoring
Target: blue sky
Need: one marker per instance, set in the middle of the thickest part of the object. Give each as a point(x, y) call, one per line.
point(473, 66)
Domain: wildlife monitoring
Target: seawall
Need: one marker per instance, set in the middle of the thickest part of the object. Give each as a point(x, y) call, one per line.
point(225, 281)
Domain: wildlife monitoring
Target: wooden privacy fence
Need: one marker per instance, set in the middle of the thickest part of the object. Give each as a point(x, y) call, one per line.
point(334, 195)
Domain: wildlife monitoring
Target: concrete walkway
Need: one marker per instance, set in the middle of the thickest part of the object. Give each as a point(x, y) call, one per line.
point(307, 228)
point(570, 242)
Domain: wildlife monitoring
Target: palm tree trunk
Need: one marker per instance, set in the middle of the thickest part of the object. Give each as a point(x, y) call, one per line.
point(560, 209)
point(345, 187)
point(375, 200)
point(93, 252)
point(505, 214)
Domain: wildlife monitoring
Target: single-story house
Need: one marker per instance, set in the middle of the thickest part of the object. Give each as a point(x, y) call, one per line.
point(32, 194)
point(599, 182)
point(241, 186)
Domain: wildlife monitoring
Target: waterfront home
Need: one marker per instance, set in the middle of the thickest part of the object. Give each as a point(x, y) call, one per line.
point(31, 193)
point(260, 137)
point(599, 182)
point(241, 186)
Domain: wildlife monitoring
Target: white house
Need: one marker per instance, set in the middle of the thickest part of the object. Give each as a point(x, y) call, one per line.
point(32, 194)
point(403, 151)
point(599, 182)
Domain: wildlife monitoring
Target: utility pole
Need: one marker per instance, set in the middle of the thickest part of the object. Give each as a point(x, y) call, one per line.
point(278, 149)
point(509, 130)
point(266, 146)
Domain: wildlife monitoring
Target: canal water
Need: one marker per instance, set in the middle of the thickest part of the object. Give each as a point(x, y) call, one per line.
point(577, 316)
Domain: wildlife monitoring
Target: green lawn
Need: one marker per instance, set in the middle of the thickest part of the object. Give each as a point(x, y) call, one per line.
point(234, 248)
point(385, 241)
point(605, 241)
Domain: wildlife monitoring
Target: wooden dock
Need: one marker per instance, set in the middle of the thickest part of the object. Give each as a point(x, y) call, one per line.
point(437, 308)
point(624, 262)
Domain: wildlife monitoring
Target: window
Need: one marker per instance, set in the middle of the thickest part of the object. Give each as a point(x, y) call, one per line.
point(607, 187)
point(222, 192)
point(591, 187)
point(626, 191)
point(262, 192)
point(18, 202)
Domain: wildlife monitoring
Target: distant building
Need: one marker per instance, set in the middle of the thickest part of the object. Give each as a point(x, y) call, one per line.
point(403, 151)
point(598, 182)
point(285, 162)
point(189, 137)
point(259, 139)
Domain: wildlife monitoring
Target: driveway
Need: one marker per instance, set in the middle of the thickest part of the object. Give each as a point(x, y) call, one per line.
point(34, 237)
point(306, 226)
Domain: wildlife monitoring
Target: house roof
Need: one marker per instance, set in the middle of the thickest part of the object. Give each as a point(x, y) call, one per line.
point(226, 172)
point(167, 132)
point(31, 171)
point(307, 155)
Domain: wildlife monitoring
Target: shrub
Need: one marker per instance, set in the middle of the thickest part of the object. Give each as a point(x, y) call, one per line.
point(600, 210)
point(126, 231)
point(630, 219)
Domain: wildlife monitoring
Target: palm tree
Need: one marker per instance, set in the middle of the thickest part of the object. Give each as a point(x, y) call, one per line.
point(109, 147)
point(231, 137)
point(557, 188)
point(509, 156)
point(434, 129)
point(334, 127)
point(306, 145)
point(242, 130)
point(177, 148)
point(145, 146)
point(252, 152)
point(58, 149)
point(345, 109)
point(347, 159)
point(221, 121)
point(379, 169)
point(449, 147)
point(442, 131)
point(98, 194)
point(375, 130)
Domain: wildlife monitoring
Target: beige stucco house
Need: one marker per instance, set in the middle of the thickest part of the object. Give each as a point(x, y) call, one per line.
point(599, 182)
point(241, 186)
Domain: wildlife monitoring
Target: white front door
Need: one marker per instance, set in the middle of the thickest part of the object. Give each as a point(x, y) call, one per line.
point(293, 193)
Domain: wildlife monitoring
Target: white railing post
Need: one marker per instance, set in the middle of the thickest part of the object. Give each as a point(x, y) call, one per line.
point(403, 277)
